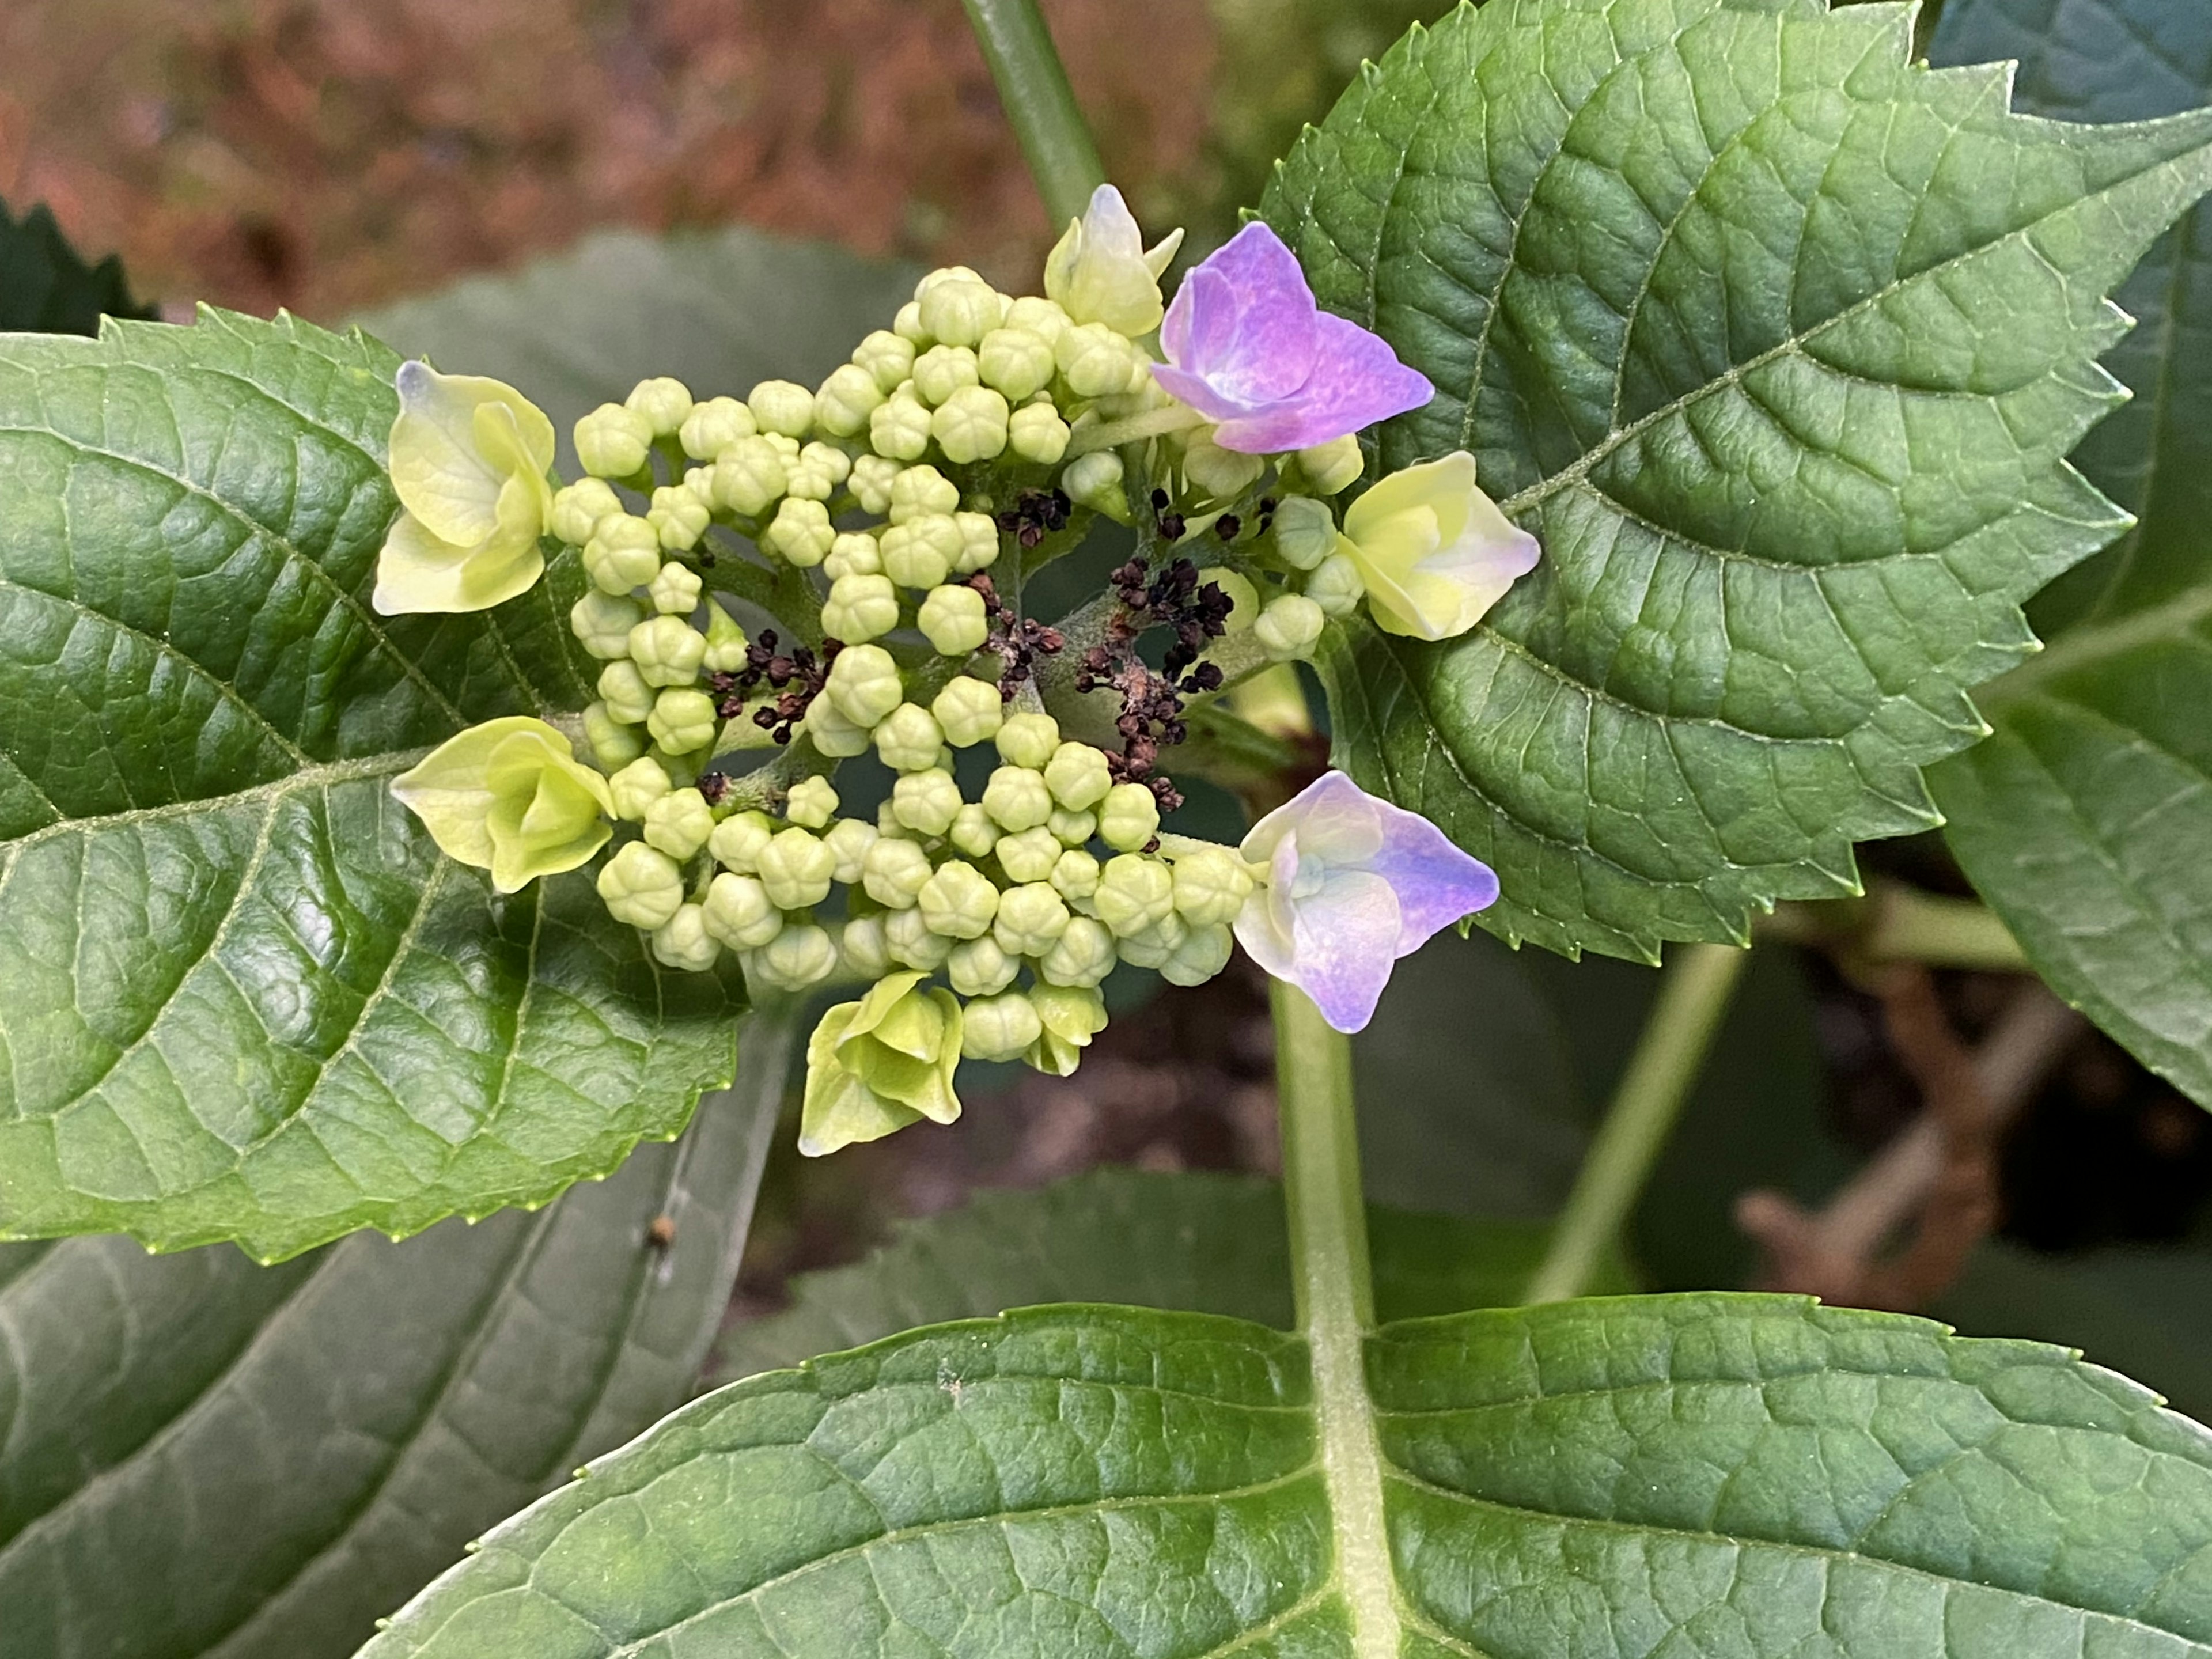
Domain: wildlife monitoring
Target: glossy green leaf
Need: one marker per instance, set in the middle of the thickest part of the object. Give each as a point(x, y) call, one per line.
point(1779, 344)
point(2084, 821)
point(46, 285)
point(200, 1456)
point(1695, 1474)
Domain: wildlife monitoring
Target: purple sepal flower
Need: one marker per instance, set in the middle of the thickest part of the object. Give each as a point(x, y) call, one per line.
point(1247, 347)
point(1353, 883)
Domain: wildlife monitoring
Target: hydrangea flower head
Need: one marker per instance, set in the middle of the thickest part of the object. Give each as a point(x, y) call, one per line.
point(1433, 550)
point(1353, 883)
point(1248, 347)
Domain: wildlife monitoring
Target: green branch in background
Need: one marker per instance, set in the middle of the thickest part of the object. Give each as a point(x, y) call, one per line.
point(1693, 998)
point(1897, 923)
point(1040, 105)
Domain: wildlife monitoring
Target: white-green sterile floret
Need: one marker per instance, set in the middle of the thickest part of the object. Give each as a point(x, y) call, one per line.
point(871, 481)
point(953, 620)
point(682, 720)
point(578, 506)
point(1084, 955)
point(1015, 362)
point(602, 623)
point(1203, 953)
point(1336, 585)
point(970, 425)
point(1095, 481)
point(712, 426)
point(960, 311)
point(1333, 466)
point(1031, 919)
point(1304, 531)
point(850, 840)
point(854, 553)
point(893, 872)
point(683, 942)
point(796, 869)
point(1128, 817)
point(999, 1027)
point(667, 650)
point(908, 937)
point(1134, 891)
point(641, 886)
point(1072, 828)
point(1244, 598)
point(862, 948)
point(1035, 314)
point(979, 543)
point(748, 477)
point(920, 492)
point(1074, 874)
point(811, 803)
point(665, 403)
point(1071, 1016)
point(1028, 739)
point(613, 442)
point(1152, 946)
point(737, 840)
point(1029, 855)
point(943, 370)
point(920, 552)
point(614, 744)
point(860, 608)
point(625, 691)
point(926, 802)
point(887, 357)
point(1216, 473)
point(740, 911)
point(846, 400)
point(800, 532)
point(782, 406)
point(1036, 433)
point(898, 428)
point(678, 823)
point(623, 553)
point(973, 832)
point(959, 901)
point(636, 787)
point(969, 711)
point(1288, 627)
point(978, 967)
point(725, 641)
point(908, 737)
point(1210, 884)
point(1094, 360)
point(1077, 775)
point(1017, 796)
point(675, 592)
point(865, 684)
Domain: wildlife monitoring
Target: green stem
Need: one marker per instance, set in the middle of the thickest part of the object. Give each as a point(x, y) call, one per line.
point(1693, 998)
point(1040, 105)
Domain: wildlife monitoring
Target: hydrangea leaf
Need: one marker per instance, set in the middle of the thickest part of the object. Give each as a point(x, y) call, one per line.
point(202, 1456)
point(2085, 820)
point(1751, 1475)
point(1779, 342)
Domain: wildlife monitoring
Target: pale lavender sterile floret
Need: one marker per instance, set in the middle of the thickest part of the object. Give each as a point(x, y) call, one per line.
point(1353, 883)
point(1248, 347)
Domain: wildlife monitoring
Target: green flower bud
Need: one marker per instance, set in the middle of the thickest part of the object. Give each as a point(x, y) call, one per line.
point(634, 788)
point(1134, 891)
point(921, 492)
point(863, 949)
point(796, 868)
point(625, 691)
point(907, 324)
point(908, 937)
point(1211, 885)
point(1028, 856)
point(675, 592)
point(853, 554)
point(748, 477)
point(920, 552)
point(782, 406)
point(978, 967)
point(1336, 585)
point(926, 802)
point(1071, 1016)
point(953, 620)
point(979, 543)
point(1028, 740)
point(801, 955)
point(1304, 531)
point(510, 797)
point(973, 832)
point(960, 314)
point(737, 840)
point(1095, 481)
point(666, 404)
point(678, 823)
point(738, 912)
point(887, 358)
point(1036, 315)
point(1244, 598)
point(1288, 628)
point(712, 426)
point(623, 553)
point(1203, 953)
point(683, 942)
point(1074, 874)
point(641, 886)
point(943, 370)
point(613, 744)
point(1031, 920)
point(970, 425)
point(968, 710)
point(849, 839)
point(1015, 362)
point(613, 442)
point(832, 735)
point(1036, 433)
point(1333, 466)
point(1084, 955)
point(1153, 945)
point(899, 428)
point(725, 641)
point(846, 400)
point(865, 684)
point(1129, 818)
point(603, 620)
point(682, 721)
point(875, 1066)
point(908, 739)
point(811, 802)
point(1077, 775)
point(959, 901)
point(818, 472)
point(579, 507)
point(871, 480)
point(860, 608)
point(894, 872)
point(999, 1027)
point(1216, 473)
point(1072, 828)
point(1094, 359)
point(667, 650)
point(1016, 795)
point(801, 532)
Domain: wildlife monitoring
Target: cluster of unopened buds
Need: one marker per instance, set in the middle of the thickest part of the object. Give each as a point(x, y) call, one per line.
point(885, 522)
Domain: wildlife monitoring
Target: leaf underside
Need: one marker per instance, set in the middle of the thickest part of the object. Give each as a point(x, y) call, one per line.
point(1779, 344)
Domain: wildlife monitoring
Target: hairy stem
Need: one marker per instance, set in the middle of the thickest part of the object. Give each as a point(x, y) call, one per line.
point(1039, 104)
point(1693, 997)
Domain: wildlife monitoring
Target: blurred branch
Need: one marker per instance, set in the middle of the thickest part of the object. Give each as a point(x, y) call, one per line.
point(1897, 923)
point(1039, 103)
